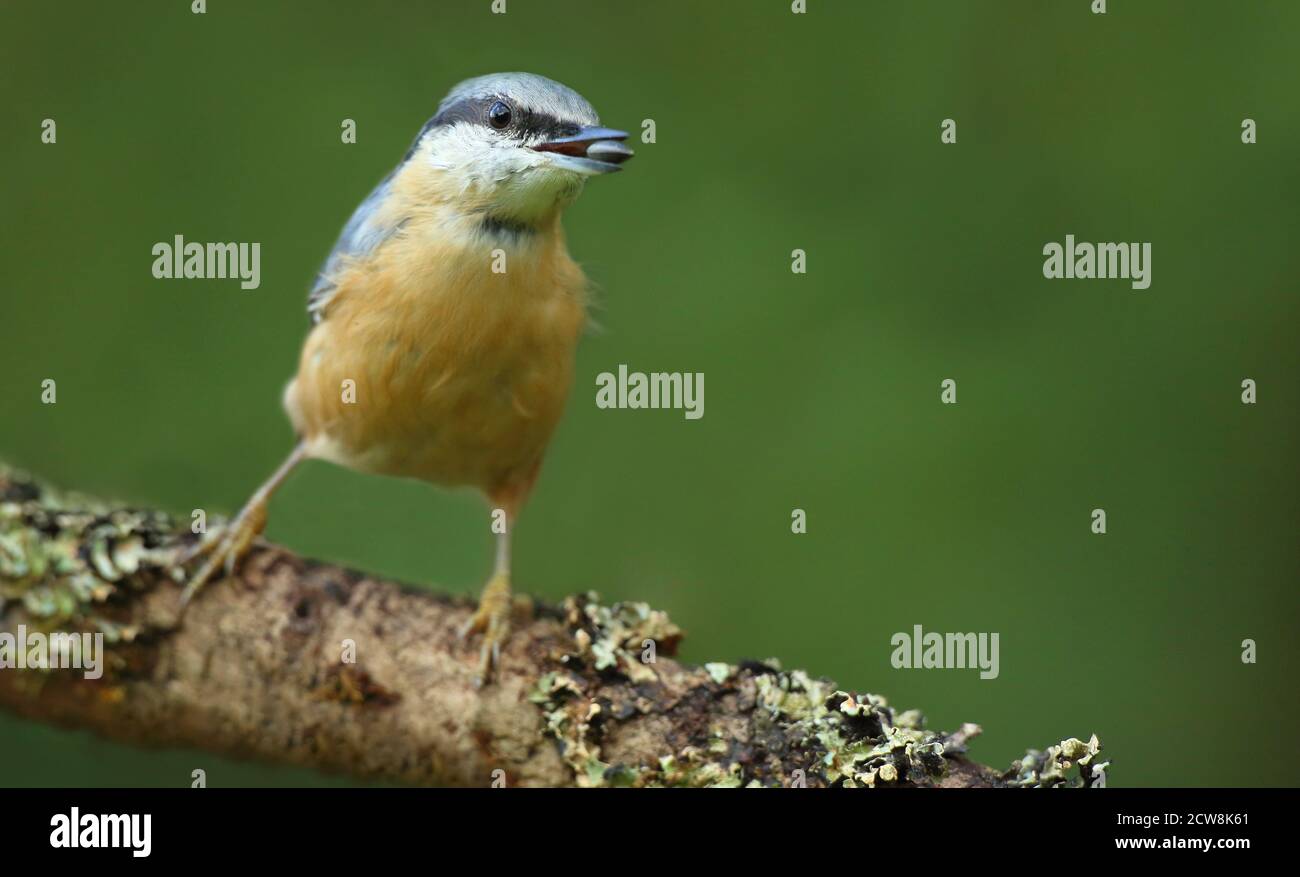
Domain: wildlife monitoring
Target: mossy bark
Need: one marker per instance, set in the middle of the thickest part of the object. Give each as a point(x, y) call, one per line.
point(306, 663)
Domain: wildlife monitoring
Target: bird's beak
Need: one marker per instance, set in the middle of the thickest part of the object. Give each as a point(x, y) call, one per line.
point(590, 151)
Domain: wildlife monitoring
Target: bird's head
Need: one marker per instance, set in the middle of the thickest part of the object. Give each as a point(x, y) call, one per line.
point(515, 147)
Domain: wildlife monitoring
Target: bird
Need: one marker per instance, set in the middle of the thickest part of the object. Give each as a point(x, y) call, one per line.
point(444, 322)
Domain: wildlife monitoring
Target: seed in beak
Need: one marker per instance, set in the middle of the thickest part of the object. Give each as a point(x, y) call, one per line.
point(609, 151)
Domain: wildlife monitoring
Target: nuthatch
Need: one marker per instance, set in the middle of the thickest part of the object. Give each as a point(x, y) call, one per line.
point(427, 360)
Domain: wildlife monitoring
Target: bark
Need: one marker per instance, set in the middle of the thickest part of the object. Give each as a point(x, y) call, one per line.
point(301, 662)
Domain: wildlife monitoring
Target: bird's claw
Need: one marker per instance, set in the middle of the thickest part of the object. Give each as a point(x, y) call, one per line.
point(492, 620)
point(225, 548)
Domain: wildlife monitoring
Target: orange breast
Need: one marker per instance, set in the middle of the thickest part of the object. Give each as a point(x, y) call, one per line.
point(458, 374)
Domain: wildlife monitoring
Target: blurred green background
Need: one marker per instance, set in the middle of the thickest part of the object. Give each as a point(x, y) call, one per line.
point(775, 132)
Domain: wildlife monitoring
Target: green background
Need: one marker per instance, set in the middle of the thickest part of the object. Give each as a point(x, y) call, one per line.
point(775, 132)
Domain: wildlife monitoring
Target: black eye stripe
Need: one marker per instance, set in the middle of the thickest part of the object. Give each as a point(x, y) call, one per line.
point(524, 124)
point(548, 127)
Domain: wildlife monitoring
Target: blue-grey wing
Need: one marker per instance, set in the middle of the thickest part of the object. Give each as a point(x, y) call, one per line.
point(362, 234)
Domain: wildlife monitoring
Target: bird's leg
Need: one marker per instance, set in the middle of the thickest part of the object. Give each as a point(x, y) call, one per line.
point(227, 545)
point(492, 618)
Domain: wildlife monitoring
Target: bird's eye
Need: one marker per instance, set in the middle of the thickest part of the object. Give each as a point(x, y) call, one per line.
point(499, 115)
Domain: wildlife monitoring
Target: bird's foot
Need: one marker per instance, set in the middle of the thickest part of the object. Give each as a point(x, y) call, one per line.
point(224, 546)
point(492, 619)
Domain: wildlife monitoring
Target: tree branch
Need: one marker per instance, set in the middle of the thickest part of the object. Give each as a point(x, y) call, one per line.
point(259, 667)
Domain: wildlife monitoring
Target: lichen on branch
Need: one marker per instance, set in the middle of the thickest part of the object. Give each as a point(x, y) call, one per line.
point(588, 693)
point(772, 728)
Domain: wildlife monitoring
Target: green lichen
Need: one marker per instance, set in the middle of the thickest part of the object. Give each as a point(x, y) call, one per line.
point(1051, 769)
point(695, 769)
point(797, 729)
point(718, 672)
point(616, 637)
point(863, 741)
point(63, 557)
